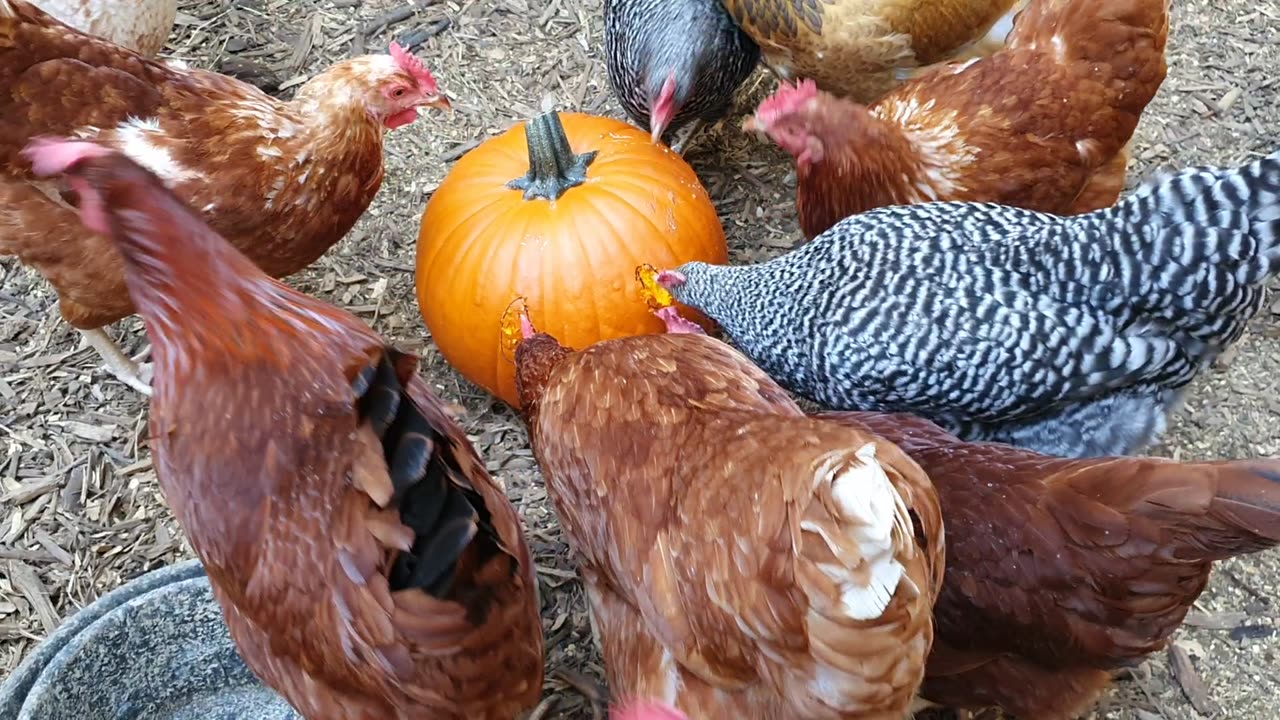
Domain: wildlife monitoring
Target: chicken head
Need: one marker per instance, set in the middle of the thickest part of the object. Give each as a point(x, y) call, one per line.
point(393, 87)
point(784, 118)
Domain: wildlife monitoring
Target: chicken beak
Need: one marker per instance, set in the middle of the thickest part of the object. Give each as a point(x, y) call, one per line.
point(663, 109)
point(439, 102)
point(753, 126)
point(658, 126)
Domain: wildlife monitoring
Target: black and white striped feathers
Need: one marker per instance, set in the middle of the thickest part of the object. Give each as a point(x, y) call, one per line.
point(1072, 336)
point(693, 42)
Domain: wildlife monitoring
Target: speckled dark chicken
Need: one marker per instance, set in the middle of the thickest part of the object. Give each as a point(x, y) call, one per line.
point(1073, 336)
point(673, 61)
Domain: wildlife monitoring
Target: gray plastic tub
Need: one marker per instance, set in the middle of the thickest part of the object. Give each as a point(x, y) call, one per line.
point(154, 649)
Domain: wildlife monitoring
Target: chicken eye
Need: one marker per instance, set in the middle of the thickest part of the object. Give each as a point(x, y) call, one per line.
point(398, 92)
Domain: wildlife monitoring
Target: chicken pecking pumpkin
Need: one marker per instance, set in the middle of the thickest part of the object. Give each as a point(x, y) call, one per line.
point(558, 211)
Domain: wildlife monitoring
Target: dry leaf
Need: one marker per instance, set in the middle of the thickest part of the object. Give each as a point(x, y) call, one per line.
point(1184, 671)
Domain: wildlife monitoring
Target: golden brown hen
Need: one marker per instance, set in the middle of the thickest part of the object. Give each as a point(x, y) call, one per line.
point(862, 48)
point(741, 559)
point(140, 25)
point(367, 565)
point(1042, 124)
point(1061, 571)
point(282, 181)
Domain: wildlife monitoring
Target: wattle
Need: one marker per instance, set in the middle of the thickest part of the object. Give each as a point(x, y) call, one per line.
point(402, 118)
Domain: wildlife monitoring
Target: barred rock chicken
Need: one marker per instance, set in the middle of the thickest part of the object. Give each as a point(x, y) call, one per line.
point(1073, 336)
point(143, 26)
point(861, 49)
point(675, 63)
point(1062, 571)
point(283, 181)
point(367, 565)
point(1042, 124)
point(740, 559)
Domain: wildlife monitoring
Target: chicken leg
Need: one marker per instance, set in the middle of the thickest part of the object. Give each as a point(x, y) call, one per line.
point(682, 138)
point(121, 366)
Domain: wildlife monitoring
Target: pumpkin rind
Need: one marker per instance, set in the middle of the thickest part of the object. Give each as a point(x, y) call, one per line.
point(573, 259)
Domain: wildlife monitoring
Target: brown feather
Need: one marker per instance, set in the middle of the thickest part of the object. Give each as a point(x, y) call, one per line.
point(853, 47)
point(1060, 571)
point(269, 454)
point(282, 181)
point(1042, 124)
point(716, 557)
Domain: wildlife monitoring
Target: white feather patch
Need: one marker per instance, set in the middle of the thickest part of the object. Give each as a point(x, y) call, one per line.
point(942, 156)
point(141, 139)
point(673, 685)
point(878, 518)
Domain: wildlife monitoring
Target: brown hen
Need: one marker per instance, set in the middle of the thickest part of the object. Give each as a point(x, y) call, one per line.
point(140, 25)
point(863, 48)
point(367, 565)
point(282, 181)
point(1042, 124)
point(740, 559)
point(1061, 571)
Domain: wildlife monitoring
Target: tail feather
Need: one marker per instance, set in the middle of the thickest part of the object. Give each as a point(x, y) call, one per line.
point(1117, 44)
point(1204, 512)
point(1244, 516)
point(878, 525)
point(1216, 510)
point(1192, 253)
point(430, 478)
point(1244, 198)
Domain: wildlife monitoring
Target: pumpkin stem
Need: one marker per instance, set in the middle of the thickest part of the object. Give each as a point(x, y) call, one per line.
point(553, 167)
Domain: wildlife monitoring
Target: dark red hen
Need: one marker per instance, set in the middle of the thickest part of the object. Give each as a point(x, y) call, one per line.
point(367, 564)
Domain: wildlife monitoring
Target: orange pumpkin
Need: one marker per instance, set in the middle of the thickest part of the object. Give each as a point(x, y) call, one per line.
point(559, 212)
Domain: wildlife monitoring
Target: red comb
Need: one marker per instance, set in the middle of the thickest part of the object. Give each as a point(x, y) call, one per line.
point(50, 155)
point(786, 99)
point(411, 64)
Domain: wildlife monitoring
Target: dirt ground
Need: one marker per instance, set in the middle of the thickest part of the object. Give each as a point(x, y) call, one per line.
point(80, 511)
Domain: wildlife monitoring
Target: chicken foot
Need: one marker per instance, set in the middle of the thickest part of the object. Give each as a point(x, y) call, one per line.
point(121, 366)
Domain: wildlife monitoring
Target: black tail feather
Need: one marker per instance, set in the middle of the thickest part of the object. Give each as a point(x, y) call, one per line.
point(434, 497)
